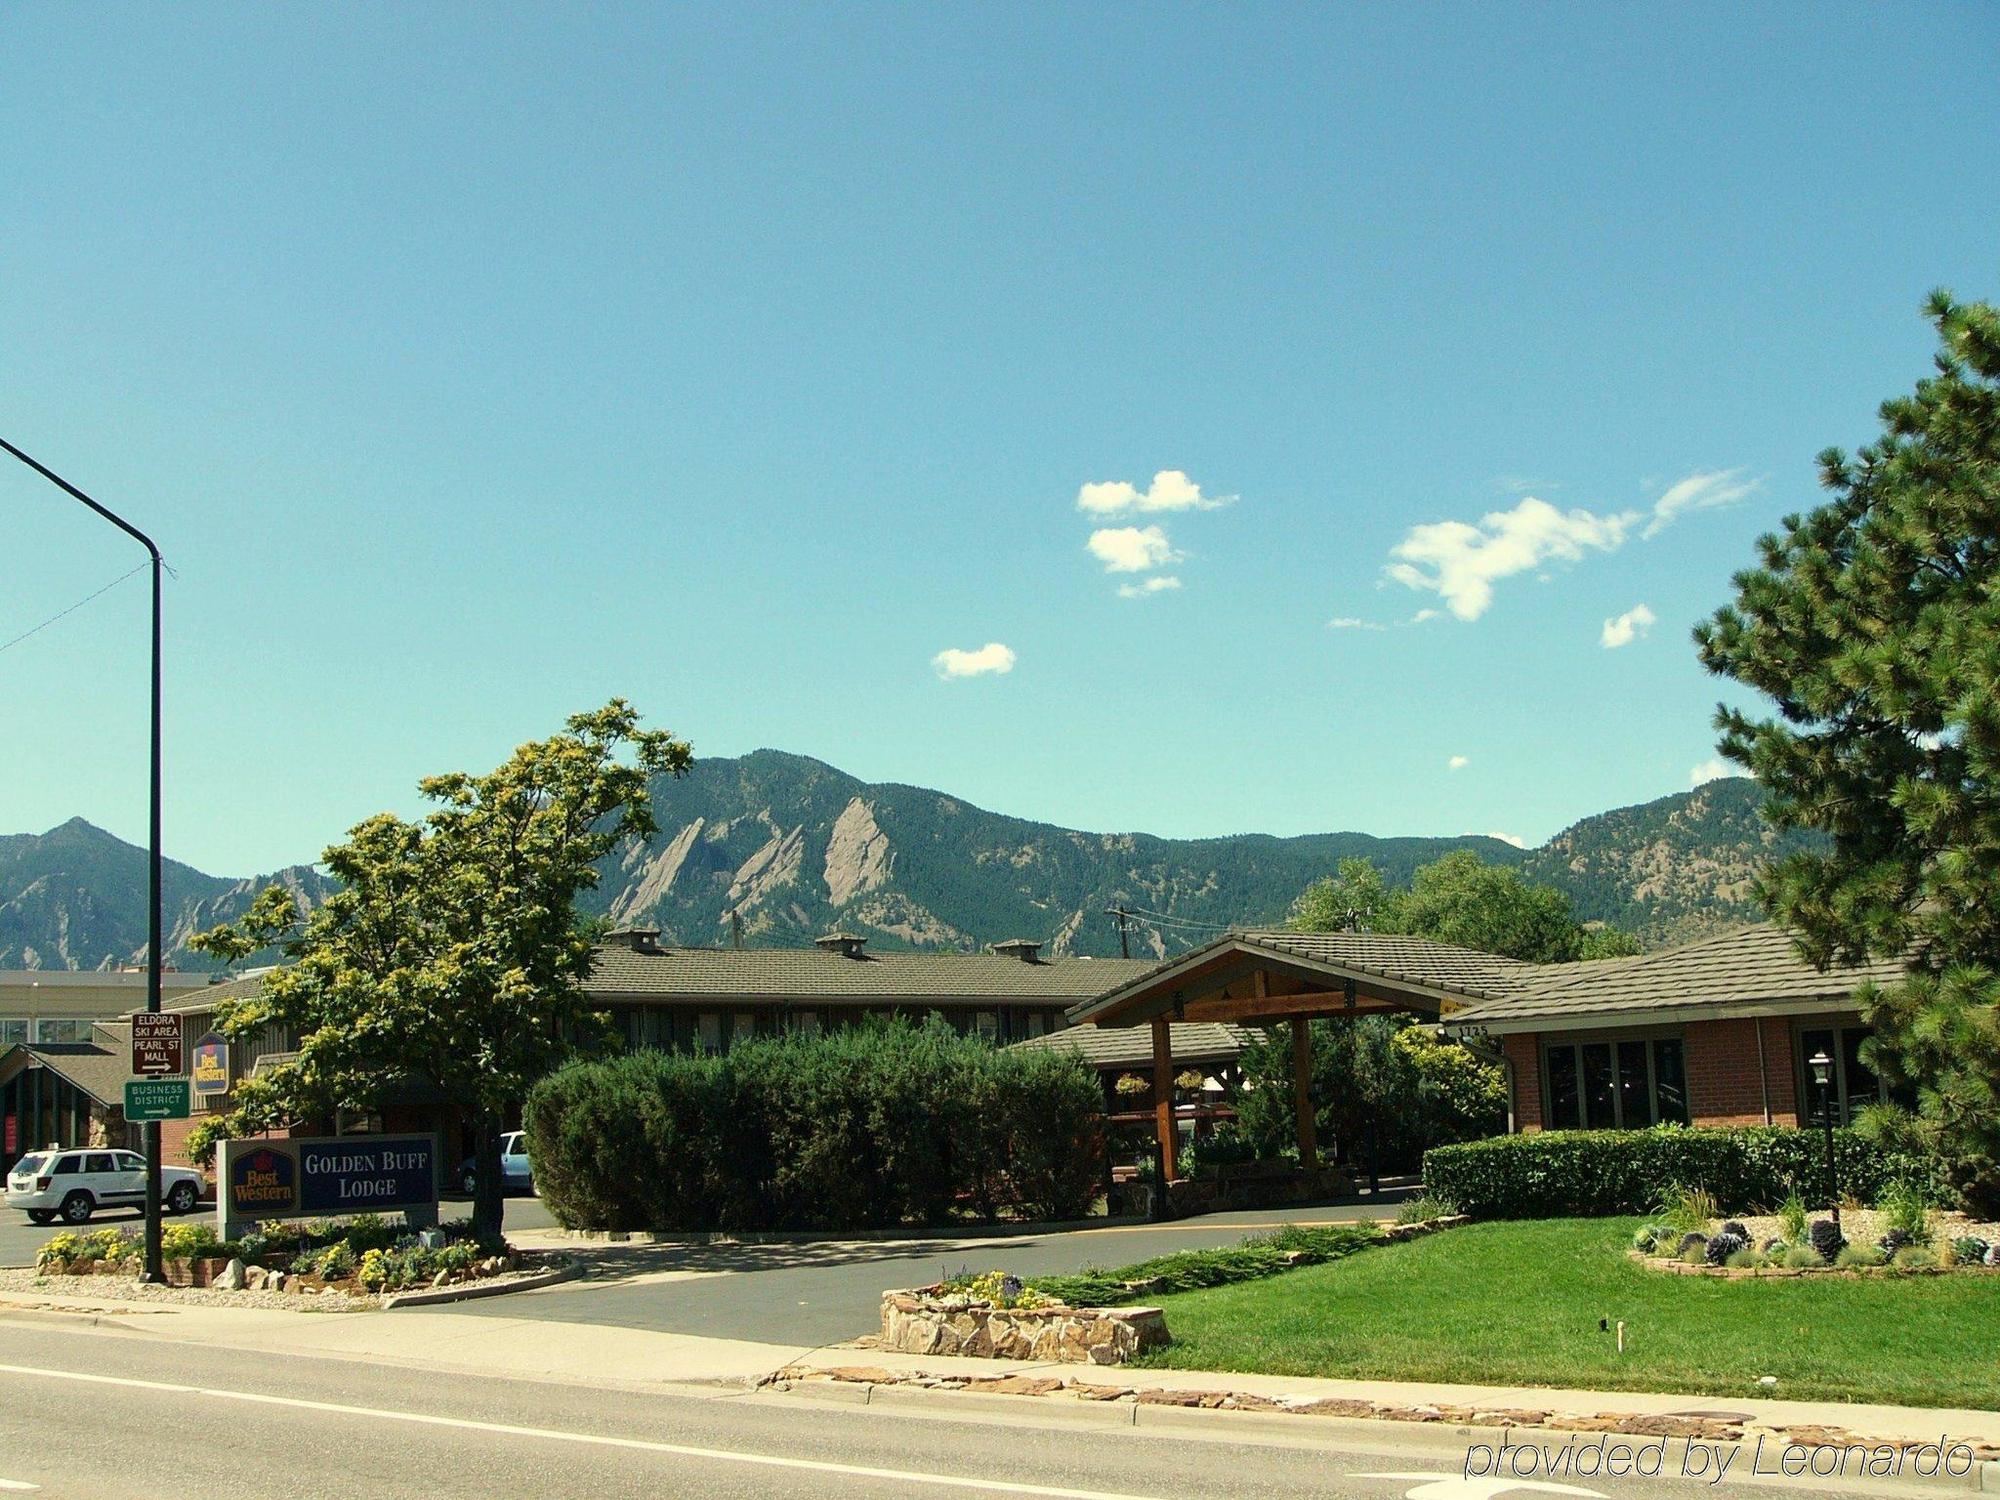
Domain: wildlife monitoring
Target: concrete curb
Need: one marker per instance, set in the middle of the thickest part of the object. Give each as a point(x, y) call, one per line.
point(61, 1317)
point(437, 1296)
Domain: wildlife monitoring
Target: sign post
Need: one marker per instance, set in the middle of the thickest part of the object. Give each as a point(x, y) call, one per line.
point(156, 1099)
point(158, 1043)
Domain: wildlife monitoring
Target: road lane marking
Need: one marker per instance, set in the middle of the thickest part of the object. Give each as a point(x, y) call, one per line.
point(17, 1484)
point(1460, 1487)
point(590, 1439)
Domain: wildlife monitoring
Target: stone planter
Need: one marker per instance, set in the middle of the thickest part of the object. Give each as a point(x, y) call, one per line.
point(196, 1271)
point(929, 1320)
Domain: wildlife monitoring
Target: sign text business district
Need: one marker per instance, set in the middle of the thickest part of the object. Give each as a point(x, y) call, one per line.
point(314, 1176)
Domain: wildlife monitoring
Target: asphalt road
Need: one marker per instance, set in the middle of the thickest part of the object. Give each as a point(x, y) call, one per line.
point(827, 1292)
point(101, 1415)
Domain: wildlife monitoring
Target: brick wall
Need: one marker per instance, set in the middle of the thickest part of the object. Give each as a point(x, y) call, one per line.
point(1525, 1053)
point(1724, 1087)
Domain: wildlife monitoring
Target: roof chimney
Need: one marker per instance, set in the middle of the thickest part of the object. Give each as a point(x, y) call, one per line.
point(637, 939)
point(1028, 951)
point(846, 944)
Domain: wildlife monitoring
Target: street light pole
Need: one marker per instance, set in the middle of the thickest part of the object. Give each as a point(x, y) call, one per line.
point(153, 934)
point(1822, 1072)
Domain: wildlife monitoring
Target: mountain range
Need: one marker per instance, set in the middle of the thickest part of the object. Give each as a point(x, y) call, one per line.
point(776, 848)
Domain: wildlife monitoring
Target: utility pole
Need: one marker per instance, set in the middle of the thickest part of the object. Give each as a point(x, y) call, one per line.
point(154, 1271)
point(1121, 916)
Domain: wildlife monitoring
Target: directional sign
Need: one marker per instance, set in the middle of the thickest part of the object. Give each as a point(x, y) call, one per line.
point(156, 1045)
point(156, 1099)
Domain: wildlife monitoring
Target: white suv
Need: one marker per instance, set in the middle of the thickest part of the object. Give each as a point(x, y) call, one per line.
point(75, 1184)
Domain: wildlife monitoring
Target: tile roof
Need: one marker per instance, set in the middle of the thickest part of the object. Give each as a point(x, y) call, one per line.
point(1751, 965)
point(811, 974)
point(100, 1071)
point(1411, 960)
point(1132, 1046)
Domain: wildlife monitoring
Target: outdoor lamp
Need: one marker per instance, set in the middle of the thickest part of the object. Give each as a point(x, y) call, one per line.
point(1822, 1072)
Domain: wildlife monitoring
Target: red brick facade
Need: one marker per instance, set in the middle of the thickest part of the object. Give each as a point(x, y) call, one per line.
point(1727, 1081)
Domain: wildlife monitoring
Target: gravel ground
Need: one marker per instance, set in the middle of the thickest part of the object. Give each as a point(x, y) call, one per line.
point(1864, 1226)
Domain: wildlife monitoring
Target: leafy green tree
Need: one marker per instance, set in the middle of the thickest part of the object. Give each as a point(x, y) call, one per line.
point(1873, 625)
point(1357, 899)
point(1458, 899)
point(452, 954)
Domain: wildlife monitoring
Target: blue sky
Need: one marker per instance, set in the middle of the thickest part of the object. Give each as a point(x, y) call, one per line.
point(472, 366)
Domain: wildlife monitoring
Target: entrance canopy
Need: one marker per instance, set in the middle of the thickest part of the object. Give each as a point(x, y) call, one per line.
point(1261, 978)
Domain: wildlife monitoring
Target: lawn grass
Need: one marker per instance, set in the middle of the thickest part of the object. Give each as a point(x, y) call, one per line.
point(1519, 1304)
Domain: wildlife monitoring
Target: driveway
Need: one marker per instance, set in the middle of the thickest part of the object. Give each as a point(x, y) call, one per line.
point(826, 1292)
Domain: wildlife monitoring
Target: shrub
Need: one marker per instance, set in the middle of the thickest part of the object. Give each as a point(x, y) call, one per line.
point(1910, 1218)
point(1917, 1258)
point(1745, 1259)
point(1227, 1145)
point(1188, 1270)
point(1969, 1249)
point(1894, 1240)
point(1684, 1208)
point(1857, 1257)
point(1564, 1173)
point(186, 1241)
point(1736, 1227)
point(1647, 1239)
point(1001, 1288)
point(1803, 1258)
point(1725, 1245)
point(1423, 1208)
point(875, 1125)
point(1693, 1249)
point(1827, 1240)
point(1792, 1217)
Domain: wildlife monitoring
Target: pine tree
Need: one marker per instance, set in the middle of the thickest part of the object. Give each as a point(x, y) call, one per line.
point(1873, 625)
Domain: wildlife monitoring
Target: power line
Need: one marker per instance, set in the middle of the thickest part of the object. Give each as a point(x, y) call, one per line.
point(36, 630)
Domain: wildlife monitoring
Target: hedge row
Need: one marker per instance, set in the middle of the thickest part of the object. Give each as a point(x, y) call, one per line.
point(872, 1126)
point(1189, 1270)
point(1558, 1173)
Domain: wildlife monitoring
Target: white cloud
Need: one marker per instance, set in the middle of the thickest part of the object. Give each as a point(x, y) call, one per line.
point(1712, 769)
point(1352, 622)
point(1170, 490)
point(1424, 616)
point(1508, 838)
point(1460, 562)
point(989, 658)
point(1151, 586)
point(1131, 549)
point(1457, 763)
point(1626, 628)
point(1699, 491)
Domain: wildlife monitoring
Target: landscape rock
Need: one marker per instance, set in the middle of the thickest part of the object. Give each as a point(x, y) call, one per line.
point(232, 1278)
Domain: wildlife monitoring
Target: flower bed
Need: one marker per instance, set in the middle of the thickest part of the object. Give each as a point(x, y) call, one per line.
point(361, 1257)
point(1898, 1238)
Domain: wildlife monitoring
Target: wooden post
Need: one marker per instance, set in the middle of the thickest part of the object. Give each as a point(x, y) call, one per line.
point(1163, 1099)
point(1302, 1090)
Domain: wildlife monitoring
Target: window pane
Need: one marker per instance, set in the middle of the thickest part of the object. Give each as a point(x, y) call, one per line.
point(1635, 1108)
point(1669, 1081)
point(1862, 1085)
point(13, 1031)
point(1598, 1111)
point(708, 1031)
point(1561, 1112)
point(1811, 1044)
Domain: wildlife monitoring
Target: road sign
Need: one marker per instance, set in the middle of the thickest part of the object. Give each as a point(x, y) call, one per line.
point(211, 1065)
point(156, 1099)
point(156, 1045)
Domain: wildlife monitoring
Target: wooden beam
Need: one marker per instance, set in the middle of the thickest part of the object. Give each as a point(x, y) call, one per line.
point(1302, 1090)
point(1322, 1003)
point(1163, 1100)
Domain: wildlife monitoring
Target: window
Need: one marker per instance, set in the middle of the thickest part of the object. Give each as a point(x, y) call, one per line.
point(127, 1162)
point(987, 1024)
point(100, 1161)
point(1854, 1083)
point(1626, 1084)
point(708, 1031)
point(13, 1031)
point(63, 1030)
point(69, 1164)
point(805, 1022)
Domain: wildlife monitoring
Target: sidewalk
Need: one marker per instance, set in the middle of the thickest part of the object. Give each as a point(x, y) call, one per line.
point(532, 1348)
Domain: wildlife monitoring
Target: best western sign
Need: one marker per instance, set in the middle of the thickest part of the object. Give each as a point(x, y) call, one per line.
point(320, 1176)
